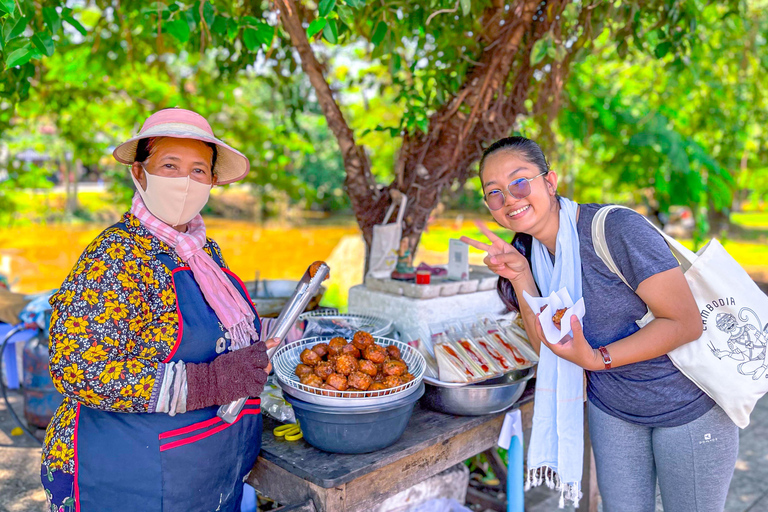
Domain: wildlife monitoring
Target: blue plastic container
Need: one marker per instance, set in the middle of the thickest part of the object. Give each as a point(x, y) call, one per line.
point(354, 429)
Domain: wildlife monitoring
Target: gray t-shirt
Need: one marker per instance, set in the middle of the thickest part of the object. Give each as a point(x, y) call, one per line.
point(653, 393)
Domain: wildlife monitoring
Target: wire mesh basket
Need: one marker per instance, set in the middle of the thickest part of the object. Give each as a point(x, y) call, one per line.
point(287, 358)
point(374, 325)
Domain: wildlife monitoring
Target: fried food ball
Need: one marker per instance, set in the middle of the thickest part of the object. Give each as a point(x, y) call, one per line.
point(360, 380)
point(375, 353)
point(338, 381)
point(312, 380)
point(329, 390)
point(321, 349)
point(302, 370)
point(313, 268)
point(351, 350)
point(394, 352)
point(346, 364)
point(323, 369)
point(336, 345)
point(379, 377)
point(309, 357)
point(367, 367)
point(392, 381)
point(407, 377)
point(558, 317)
point(394, 367)
point(362, 339)
point(376, 386)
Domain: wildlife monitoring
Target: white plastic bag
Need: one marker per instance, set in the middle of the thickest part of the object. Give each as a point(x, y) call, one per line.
point(386, 243)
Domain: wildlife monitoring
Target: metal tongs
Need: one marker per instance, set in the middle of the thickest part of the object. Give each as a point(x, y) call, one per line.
point(307, 288)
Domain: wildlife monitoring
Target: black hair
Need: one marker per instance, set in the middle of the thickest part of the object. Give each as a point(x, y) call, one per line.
point(531, 152)
point(144, 146)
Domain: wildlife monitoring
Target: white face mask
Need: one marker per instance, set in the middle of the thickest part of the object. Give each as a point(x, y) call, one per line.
point(173, 200)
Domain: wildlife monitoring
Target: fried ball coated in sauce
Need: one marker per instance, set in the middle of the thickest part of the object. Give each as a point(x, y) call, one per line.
point(338, 381)
point(309, 357)
point(321, 349)
point(379, 377)
point(407, 377)
point(367, 367)
point(330, 390)
point(376, 386)
point(557, 318)
point(360, 380)
point(351, 350)
point(313, 268)
point(336, 345)
point(375, 353)
point(394, 367)
point(312, 380)
point(323, 369)
point(302, 370)
point(392, 381)
point(362, 339)
point(394, 352)
point(346, 364)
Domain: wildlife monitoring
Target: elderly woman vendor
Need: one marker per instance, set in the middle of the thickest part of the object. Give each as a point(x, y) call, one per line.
point(150, 333)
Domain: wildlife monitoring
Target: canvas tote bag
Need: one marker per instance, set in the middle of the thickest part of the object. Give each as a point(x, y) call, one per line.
point(385, 243)
point(728, 362)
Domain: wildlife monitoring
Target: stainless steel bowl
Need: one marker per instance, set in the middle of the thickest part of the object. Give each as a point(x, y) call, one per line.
point(488, 397)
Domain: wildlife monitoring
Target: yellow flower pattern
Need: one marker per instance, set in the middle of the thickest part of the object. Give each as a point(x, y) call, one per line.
point(113, 321)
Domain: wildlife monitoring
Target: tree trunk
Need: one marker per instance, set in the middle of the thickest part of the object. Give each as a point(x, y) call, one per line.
point(484, 109)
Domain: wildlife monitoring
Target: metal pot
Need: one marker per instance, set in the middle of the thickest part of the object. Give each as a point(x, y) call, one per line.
point(490, 396)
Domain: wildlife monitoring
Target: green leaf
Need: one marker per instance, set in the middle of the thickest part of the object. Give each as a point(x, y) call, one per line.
point(76, 25)
point(379, 33)
point(326, 6)
point(52, 19)
point(315, 27)
point(539, 50)
point(661, 50)
point(331, 32)
point(249, 21)
point(560, 53)
point(19, 57)
point(253, 38)
point(44, 42)
point(232, 29)
point(178, 28)
point(466, 6)
point(355, 4)
point(220, 25)
point(14, 30)
point(7, 6)
point(397, 62)
point(623, 48)
point(265, 34)
point(208, 14)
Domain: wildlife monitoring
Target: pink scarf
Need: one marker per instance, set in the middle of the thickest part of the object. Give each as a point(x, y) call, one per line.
point(232, 309)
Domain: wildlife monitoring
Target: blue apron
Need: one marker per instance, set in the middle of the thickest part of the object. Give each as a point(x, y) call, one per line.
point(154, 462)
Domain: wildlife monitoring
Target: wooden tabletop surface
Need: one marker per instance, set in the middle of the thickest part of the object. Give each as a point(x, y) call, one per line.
point(425, 428)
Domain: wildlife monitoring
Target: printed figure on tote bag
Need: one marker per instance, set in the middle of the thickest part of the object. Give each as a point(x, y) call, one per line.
point(746, 343)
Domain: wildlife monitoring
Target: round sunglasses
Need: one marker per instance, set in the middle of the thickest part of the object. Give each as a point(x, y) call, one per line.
point(519, 189)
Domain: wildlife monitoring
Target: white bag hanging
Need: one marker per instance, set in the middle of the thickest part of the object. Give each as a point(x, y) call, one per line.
point(386, 243)
point(728, 362)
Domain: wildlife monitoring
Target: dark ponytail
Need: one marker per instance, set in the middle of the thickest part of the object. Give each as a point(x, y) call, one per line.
point(531, 152)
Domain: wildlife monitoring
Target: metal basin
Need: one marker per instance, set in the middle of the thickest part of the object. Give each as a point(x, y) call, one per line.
point(487, 397)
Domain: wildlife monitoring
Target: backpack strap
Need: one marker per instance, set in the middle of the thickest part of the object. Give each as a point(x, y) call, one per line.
point(600, 243)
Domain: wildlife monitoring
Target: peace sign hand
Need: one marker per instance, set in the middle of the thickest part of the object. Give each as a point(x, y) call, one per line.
point(503, 259)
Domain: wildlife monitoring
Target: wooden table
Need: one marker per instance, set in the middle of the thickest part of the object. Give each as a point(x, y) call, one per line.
point(304, 478)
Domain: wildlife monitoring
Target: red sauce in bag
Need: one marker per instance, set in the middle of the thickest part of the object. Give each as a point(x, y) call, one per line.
point(494, 354)
point(465, 344)
point(519, 359)
point(453, 354)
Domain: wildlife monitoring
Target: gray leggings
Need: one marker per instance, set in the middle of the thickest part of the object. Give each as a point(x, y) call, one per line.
point(694, 462)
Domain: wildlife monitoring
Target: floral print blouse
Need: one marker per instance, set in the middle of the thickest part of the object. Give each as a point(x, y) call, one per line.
point(113, 322)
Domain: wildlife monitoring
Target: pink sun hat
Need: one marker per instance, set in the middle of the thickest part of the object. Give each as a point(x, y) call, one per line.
point(231, 165)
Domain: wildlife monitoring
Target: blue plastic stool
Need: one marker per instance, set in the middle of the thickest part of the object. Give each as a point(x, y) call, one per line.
point(10, 370)
point(248, 504)
point(515, 500)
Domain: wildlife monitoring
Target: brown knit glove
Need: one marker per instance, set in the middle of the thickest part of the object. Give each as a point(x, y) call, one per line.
point(230, 376)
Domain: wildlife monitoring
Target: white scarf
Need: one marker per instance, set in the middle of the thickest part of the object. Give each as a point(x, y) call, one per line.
point(556, 451)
